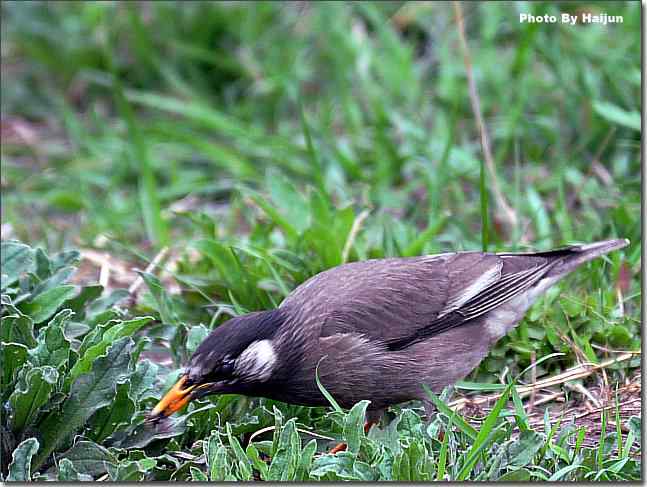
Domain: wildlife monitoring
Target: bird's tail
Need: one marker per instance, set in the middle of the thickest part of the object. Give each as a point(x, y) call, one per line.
point(576, 255)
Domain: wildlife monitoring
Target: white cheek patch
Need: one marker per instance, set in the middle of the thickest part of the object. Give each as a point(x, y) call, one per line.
point(257, 361)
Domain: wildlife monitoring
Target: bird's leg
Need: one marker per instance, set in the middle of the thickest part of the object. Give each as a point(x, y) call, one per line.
point(342, 446)
point(338, 447)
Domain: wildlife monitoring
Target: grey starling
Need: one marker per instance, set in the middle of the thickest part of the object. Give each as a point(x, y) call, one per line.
point(377, 329)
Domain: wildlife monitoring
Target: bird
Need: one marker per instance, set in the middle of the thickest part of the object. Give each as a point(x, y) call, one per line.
point(378, 329)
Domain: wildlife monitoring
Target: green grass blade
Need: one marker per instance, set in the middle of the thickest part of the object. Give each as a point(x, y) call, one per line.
point(442, 456)
point(415, 247)
point(540, 361)
point(485, 435)
point(325, 392)
point(522, 418)
point(562, 472)
point(156, 226)
point(463, 425)
point(603, 434)
point(312, 153)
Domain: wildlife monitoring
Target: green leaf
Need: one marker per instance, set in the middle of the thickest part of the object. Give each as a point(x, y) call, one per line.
point(634, 425)
point(257, 462)
point(18, 329)
point(12, 356)
point(244, 464)
point(66, 201)
point(88, 457)
point(619, 336)
point(354, 426)
point(95, 335)
point(142, 435)
point(67, 473)
point(522, 451)
point(118, 330)
point(102, 306)
point(520, 412)
point(74, 329)
point(521, 475)
point(32, 391)
point(64, 258)
point(198, 475)
point(16, 260)
point(89, 392)
point(165, 305)
point(86, 295)
point(306, 460)
point(216, 455)
point(44, 265)
point(45, 305)
point(401, 468)
point(60, 277)
point(20, 467)
point(142, 382)
point(53, 347)
point(119, 412)
point(131, 470)
point(286, 456)
point(617, 115)
point(342, 466)
point(195, 337)
point(571, 307)
point(412, 463)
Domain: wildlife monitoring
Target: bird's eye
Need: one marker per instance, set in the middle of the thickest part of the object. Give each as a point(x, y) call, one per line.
point(227, 368)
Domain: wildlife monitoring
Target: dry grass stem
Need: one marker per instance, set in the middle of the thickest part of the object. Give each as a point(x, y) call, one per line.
point(533, 378)
point(578, 372)
point(307, 432)
point(357, 225)
point(508, 214)
point(154, 263)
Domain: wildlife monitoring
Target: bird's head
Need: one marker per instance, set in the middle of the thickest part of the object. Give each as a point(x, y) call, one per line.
point(235, 358)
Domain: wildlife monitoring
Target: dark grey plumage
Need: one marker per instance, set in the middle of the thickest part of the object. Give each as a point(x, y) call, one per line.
point(379, 329)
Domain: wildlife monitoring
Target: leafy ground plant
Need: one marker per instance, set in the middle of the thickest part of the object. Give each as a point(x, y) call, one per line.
point(71, 376)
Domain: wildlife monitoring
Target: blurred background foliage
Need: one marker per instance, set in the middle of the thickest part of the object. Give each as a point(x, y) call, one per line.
point(262, 142)
point(250, 137)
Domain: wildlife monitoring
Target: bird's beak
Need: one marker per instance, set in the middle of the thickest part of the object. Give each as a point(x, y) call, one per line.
point(173, 401)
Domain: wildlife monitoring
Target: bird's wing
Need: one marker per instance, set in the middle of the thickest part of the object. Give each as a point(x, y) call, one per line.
point(402, 301)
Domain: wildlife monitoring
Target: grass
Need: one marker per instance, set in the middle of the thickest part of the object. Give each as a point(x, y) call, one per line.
point(250, 147)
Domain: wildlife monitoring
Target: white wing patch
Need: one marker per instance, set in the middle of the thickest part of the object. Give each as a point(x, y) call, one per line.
point(501, 320)
point(256, 361)
point(485, 280)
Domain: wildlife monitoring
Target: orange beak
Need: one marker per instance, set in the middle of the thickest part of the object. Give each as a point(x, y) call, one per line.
point(173, 401)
